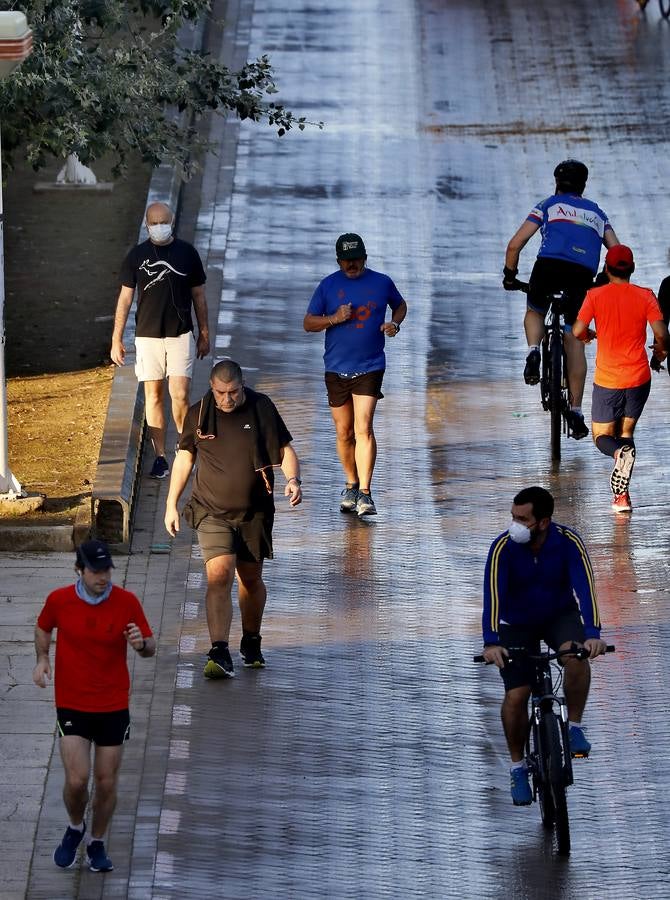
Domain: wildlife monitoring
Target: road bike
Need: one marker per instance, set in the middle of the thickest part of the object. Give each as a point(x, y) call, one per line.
point(554, 392)
point(663, 5)
point(548, 756)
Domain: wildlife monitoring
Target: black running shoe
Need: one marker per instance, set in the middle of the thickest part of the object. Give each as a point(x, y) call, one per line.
point(250, 651)
point(531, 373)
point(219, 663)
point(577, 425)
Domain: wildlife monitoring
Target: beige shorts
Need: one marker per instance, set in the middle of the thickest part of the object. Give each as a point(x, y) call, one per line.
point(158, 358)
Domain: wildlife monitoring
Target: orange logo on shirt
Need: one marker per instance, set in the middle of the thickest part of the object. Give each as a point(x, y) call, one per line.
point(362, 313)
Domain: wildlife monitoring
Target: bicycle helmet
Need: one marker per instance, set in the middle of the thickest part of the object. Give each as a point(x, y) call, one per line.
point(571, 175)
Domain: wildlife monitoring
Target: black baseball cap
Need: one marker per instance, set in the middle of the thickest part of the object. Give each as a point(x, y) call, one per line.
point(94, 555)
point(350, 246)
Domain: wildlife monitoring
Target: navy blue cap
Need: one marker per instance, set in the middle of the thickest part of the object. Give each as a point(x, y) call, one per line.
point(94, 555)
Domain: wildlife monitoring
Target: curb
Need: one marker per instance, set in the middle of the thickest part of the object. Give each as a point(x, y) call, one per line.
point(40, 538)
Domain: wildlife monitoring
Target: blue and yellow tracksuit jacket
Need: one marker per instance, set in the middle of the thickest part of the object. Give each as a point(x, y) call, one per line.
point(522, 588)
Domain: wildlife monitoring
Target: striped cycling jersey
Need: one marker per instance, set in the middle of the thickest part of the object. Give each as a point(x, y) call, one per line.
point(572, 228)
point(528, 588)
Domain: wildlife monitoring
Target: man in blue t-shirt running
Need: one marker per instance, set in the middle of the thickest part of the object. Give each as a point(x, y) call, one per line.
point(350, 306)
point(573, 231)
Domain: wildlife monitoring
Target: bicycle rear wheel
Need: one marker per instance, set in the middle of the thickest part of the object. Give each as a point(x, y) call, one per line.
point(555, 398)
point(553, 755)
point(665, 8)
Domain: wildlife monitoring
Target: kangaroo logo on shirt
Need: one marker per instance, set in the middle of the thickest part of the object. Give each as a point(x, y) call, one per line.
point(158, 270)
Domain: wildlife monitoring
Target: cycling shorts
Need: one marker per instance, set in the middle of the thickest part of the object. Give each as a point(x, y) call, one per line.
point(567, 626)
point(551, 275)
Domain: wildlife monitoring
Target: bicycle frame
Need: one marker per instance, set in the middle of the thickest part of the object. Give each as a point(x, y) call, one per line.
point(554, 393)
point(553, 381)
point(545, 700)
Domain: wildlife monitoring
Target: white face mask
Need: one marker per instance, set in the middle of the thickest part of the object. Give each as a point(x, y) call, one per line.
point(519, 533)
point(160, 232)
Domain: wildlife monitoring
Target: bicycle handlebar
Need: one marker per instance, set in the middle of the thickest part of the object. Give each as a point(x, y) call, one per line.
point(520, 286)
point(579, 652)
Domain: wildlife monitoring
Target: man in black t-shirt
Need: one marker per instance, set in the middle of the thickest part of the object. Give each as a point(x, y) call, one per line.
point(238, 437)
point(169, 278)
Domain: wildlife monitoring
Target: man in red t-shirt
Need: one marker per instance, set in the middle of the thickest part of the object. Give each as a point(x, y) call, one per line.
point(96, 621)
point(622, 378)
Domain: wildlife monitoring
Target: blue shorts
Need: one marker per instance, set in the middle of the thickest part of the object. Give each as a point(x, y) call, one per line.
point(611, 404)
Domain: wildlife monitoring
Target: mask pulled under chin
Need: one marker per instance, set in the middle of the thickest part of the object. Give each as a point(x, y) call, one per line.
point(519, 533)
point(91, 599)
point(160, 232)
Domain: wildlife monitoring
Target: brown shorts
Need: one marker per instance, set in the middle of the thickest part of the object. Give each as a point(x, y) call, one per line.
point(341, 387)
point(249, 541)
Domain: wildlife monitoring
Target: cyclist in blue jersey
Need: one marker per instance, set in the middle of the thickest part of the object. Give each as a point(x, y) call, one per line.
point(573, 230)
point(350, 306)
point(533, 573)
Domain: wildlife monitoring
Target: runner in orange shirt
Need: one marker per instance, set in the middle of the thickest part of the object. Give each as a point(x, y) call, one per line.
point(622, 377)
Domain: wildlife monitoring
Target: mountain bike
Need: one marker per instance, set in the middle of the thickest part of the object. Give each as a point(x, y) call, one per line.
point(664, 6)
point(553, 378)
point(548, 756)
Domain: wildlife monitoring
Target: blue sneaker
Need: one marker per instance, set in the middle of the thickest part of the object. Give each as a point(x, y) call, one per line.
point(579, 746)
point(160, 468)
point(98, 861)
point(522, 795)
point(66, 852)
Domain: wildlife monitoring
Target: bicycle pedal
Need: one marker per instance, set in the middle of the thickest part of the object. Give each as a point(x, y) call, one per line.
point(579, 755)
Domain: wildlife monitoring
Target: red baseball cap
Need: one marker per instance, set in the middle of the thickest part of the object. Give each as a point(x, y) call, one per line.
point(619, 257)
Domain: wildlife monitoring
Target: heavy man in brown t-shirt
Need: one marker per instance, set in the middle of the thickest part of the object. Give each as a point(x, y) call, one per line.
point(238, 437)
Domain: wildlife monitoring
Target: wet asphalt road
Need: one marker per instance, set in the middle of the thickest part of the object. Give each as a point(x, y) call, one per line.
point(367, 760)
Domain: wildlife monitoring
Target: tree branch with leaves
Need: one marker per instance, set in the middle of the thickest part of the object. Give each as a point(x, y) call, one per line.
point(103, 75)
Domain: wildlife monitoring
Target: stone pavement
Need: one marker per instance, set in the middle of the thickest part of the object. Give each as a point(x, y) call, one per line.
point(367, 759)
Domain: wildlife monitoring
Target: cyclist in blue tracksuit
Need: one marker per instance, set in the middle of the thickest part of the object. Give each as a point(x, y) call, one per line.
point(534, 572)
point(573, 231)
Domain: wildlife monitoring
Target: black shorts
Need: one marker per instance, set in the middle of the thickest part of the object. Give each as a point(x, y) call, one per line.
point(106, 729)
point(249, 541)
point(567, 626)
point(612, 404)
point(551, 275)
point(341, 387)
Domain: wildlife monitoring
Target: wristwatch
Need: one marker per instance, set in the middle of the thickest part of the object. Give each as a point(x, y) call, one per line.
point(396, 325)
point(295, 478)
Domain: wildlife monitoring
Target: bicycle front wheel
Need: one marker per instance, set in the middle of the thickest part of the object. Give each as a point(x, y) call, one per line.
point(555, 402)
point(552, 749)
point(541, 779)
